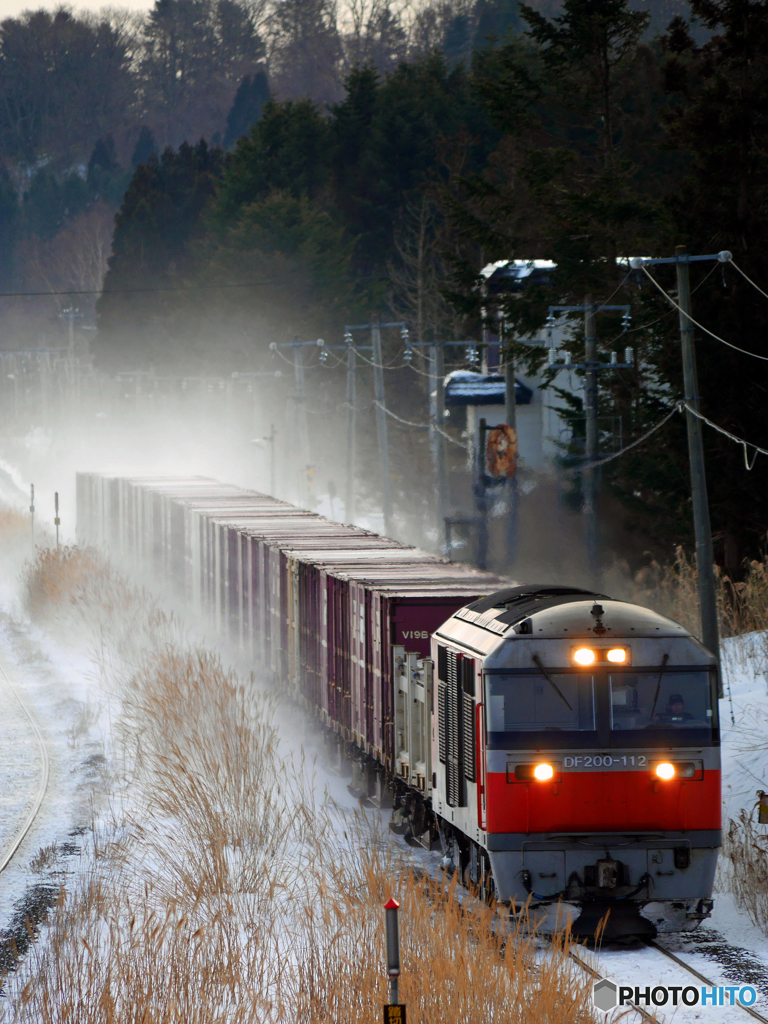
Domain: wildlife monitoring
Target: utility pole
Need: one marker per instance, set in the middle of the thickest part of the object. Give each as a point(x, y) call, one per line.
point(349, 502)
point(481, 497)
point(436, 436)
point(381, 424)
point(71, 314)
point(298, 363)
point(510, 487)
point(705, 557)
point(591, 367)
point(306, 471)
point(591, 450)
point(272, 481)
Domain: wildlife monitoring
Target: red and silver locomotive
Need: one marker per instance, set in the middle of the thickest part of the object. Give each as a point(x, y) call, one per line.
point(576, 757)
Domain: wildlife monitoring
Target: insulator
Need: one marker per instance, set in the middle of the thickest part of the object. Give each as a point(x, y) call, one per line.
point(551, 356)
point(629, 355)
point(614, 358)
point(408, 354)
point(324, 356)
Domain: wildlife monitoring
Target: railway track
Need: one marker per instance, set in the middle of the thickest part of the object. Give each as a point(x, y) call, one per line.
point(649, 1016)
point(36, 789)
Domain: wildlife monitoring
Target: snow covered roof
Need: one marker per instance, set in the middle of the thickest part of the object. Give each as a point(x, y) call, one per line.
point(513, 275)
point(465, 387)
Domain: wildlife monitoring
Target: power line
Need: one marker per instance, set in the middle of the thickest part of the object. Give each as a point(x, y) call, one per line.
point(746, 276)
point(634, 444)
point(419, 426)
point(721, 430)
point(180, 288)
point(701, 326)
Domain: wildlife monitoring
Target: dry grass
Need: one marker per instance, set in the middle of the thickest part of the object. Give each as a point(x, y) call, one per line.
point(54, 576)
point(672, 589)
point(227, 887)
point(15, 530)
point(746, 873)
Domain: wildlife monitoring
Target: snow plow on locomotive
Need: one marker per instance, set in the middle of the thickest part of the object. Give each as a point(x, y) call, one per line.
point(559, 747)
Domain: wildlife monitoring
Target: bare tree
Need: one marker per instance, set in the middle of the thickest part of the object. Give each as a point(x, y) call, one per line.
point(373, 33)
point(419, 271)
point(305, 53)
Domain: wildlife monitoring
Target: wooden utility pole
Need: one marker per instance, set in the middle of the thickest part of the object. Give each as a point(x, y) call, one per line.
point(349, 502)
point(381, 425)
point(705, 557)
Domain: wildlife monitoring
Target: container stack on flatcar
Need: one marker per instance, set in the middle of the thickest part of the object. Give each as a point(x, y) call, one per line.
point(560, 747)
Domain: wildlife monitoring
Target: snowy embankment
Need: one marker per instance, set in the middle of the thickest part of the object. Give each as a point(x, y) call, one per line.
point(728, 949)
point(210, 869)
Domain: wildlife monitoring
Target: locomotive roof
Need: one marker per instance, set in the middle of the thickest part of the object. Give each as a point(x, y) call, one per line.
point(543, 610)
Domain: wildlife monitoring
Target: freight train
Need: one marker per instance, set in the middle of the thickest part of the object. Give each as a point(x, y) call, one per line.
point(559, 747)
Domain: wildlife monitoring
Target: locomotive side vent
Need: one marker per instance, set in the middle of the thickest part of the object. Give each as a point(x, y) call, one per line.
point(455, 723)
point(442, 697)
point(467, 667)
point(454, 734)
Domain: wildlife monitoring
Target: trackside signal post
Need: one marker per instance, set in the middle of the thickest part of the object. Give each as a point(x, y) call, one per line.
point(394, 1012)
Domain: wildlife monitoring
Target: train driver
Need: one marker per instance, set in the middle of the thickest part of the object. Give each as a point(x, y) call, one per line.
point(675, 709)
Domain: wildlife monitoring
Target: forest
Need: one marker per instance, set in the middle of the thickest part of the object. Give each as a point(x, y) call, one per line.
point(235, 174)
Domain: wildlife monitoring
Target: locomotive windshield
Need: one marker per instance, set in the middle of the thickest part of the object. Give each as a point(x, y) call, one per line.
point(678, 703)
point(555, 701)
point(663, 707)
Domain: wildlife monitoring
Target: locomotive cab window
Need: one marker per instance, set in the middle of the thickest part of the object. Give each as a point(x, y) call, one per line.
point(679, 703)
point(555, 705)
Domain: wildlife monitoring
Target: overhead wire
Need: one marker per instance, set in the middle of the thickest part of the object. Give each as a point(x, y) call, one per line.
point(747, 277)
point(634, 444)
point(721, 430)
point(179, 288)
point(696, 322)
point(418, 426)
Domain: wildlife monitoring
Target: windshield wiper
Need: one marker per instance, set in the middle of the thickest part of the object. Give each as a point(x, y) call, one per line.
point(663, 665)
point(551, 681)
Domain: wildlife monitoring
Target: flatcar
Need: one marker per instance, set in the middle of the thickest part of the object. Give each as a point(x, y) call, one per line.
point(560, 748)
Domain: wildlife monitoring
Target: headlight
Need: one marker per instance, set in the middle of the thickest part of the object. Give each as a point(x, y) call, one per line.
point(543, 772)
point(584, 656)
point(617, 655)
point(665, 770)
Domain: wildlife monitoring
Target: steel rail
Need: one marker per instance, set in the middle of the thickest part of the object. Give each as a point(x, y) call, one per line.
point(701, 977)
point(21, 832)
point(602, 977)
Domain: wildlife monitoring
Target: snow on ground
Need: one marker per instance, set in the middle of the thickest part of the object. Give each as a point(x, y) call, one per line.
point(60, 689)
point(65, 688)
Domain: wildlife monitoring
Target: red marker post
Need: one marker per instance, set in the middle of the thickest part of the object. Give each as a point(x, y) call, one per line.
point(394, 1013)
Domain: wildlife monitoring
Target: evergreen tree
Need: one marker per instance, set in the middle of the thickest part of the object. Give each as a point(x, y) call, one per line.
point(152, 251)
point(252, 94)
point(720, 120)
point(145, 147)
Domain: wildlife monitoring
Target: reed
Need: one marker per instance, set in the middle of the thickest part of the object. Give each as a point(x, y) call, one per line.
point(746, 867)
point(226, 885)
point(672, 589)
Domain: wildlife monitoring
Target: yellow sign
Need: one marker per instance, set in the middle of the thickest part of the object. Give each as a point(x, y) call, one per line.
point(394, 1014)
